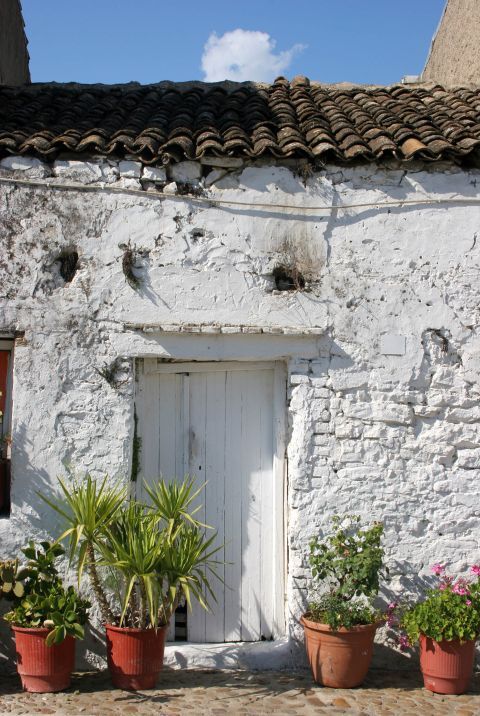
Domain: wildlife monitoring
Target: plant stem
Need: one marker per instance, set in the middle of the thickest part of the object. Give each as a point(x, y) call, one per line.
point(106, 612)
point(133, 606)
point(143, 605)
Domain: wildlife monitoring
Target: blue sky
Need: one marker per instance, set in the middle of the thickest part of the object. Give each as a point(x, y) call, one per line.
point(365, 41)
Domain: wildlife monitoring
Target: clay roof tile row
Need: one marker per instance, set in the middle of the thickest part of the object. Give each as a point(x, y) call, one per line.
point(168, 122)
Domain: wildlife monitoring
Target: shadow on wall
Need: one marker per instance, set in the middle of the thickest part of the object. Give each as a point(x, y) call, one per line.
point(28, 481)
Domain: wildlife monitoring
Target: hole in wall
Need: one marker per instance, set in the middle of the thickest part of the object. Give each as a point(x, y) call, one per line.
point(288, 278)
point(68, 261)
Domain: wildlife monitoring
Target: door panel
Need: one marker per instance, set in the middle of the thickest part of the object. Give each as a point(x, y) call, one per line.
point(218, 425)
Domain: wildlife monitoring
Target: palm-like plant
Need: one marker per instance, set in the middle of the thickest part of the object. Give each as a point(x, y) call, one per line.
point(132, 549)
point(159, 553)
point(156, 554)
point(88, 507)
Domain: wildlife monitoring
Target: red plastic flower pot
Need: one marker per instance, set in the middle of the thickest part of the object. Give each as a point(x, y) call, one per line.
point(135, 656)
point(446, 666)
point(43, 668)
point(339, 659)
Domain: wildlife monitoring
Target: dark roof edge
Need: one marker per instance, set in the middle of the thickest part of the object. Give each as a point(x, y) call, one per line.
point(227, 85)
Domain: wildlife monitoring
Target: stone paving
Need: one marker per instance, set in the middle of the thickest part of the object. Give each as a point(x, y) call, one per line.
point(212, 693)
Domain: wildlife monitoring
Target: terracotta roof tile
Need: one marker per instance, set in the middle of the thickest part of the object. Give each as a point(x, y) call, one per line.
point(171, 122)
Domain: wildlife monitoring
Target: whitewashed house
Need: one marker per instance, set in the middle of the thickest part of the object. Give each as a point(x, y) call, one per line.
point(273, 288)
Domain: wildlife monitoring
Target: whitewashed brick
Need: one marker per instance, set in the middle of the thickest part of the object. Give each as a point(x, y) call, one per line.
point(130, 169)
point(391, 344)
point(83, 172)
point(170, 188)
point(29, 166)
point(463, 415)
point(299, 379)
point(346, 381)
point(186, 172)
point(154, 174)
point(469, 458)
point(214, 176)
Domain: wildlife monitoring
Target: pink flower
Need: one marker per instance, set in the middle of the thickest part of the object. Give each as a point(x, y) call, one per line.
point(403, 642)
point(438, 568)
point(392, 606)
point(460, 587)
point(475, 569)
point(468, 603)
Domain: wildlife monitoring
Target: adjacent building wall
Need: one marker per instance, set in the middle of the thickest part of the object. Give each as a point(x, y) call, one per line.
point(13, 45)
point(454, 57)
point(381, 343)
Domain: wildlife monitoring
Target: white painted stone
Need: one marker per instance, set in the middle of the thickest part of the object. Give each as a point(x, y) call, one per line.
point(155, 174)
point(170, 188)
point(186, 172)
point(393, 345)
point(342, 380)
point(130, 169)
point(128, 183)
point(379, 412)
point(237, 655)
point(298, 379)
point(29, 166)
point(84, 172)
point(469, 459)
point(214, 176)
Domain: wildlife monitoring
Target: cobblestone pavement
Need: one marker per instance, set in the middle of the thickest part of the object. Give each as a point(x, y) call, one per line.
point(240, 692)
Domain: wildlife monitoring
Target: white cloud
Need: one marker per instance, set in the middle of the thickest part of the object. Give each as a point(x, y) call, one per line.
point(243, 55)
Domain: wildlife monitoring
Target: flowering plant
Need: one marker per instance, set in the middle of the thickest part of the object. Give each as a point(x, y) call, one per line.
point(450, 611)
point(346, 566)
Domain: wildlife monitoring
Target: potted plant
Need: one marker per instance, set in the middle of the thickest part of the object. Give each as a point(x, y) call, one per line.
point(151, 556)
point(46, 618)
point(341, 621)
point(446, 623)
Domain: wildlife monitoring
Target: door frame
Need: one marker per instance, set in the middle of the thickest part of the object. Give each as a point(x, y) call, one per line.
point(279, 468)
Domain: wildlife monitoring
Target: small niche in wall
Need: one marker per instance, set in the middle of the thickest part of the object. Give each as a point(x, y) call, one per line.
point(68, 262)
point(288, 278)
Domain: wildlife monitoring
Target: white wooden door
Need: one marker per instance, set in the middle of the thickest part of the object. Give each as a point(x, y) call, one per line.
point(222, 424)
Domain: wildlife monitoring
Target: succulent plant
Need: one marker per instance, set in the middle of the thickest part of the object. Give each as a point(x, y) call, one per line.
point(11, 579)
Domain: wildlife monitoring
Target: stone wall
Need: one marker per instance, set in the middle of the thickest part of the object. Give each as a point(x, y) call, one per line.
point(13, 45)
point(454, 57)
point(380, 335)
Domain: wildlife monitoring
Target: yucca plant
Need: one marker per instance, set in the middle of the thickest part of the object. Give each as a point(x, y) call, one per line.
point(154, 554)
point(88, 507)
point(131, 550)
point(158, 554)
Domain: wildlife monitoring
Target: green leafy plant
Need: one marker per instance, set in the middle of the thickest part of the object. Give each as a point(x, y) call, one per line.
point(87, 508)
point(11, 576)
point(152, 556)
point(345, 571)
point(449, 611)
point(45, 602)
point(158, 554)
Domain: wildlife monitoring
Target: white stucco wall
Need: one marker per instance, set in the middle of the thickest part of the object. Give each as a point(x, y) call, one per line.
point(382, 349)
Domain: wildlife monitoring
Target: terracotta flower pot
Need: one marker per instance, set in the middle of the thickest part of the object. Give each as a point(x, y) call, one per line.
point(135, 656)
point(341, 658)
point(446, 666)
point(43, 668)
